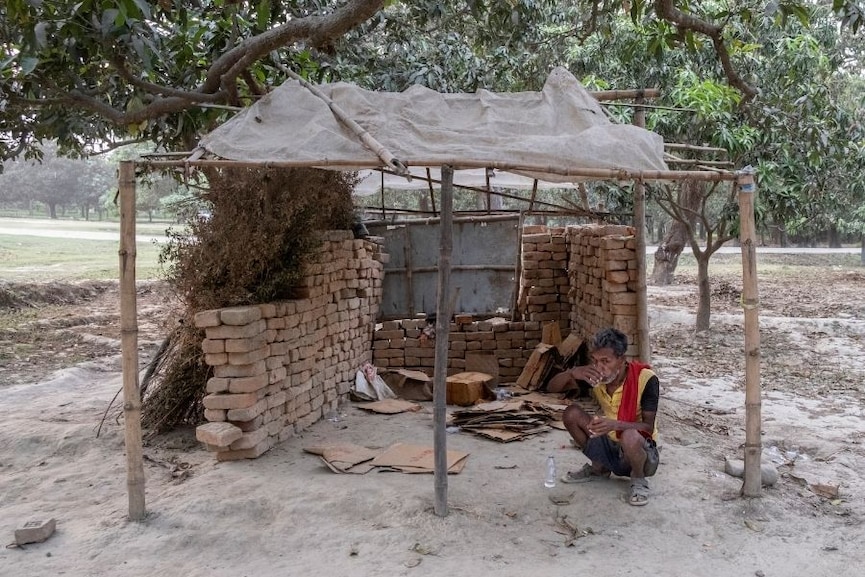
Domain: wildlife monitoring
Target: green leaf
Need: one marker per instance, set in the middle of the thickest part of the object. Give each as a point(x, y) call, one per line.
point(262, 14)
point(29, 64)
point(108, 20)
point(40, 32)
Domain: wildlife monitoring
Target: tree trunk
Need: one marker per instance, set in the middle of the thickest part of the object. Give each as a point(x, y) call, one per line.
point(862, 251)
point(704, 288)
point(834, 238)
point(52, 210)
point(667, 255)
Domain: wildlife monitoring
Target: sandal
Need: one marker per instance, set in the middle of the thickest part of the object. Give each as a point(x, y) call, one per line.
point(584, 475)
point(639, 495)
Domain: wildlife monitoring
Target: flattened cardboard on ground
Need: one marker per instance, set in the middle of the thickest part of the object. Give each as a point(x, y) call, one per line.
point(505, 436)
point(417, 459)
point(345, 457)
point(390, 406)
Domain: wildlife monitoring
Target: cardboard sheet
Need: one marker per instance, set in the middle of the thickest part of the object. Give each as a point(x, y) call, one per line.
point(417, 459)
point(345, 457)
point(390, 406)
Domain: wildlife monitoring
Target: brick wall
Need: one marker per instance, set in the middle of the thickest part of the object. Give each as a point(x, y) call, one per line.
point(278, 367)
point(583, 278)
point(602, 270)
point(402, 344)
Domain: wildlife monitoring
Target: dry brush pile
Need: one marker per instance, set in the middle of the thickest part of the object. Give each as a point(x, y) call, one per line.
point(251, 249)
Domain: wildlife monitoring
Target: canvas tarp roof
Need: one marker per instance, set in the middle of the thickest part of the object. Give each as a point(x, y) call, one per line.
point(561, 126)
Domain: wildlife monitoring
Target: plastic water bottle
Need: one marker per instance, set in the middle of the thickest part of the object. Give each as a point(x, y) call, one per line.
point(550, 478)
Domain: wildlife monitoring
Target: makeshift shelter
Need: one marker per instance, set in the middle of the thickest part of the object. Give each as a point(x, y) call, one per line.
point(560, 135)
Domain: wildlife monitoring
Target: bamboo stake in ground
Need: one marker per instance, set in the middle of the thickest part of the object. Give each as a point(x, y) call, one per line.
point(750, 302)
point(443, 322)
point(129, 344)
point(643, 339)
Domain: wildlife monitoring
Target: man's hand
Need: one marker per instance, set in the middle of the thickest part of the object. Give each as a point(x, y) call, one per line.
point(600, 426)
point(587, 373)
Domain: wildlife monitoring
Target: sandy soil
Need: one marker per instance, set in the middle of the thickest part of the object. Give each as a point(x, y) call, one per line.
point(286, 514)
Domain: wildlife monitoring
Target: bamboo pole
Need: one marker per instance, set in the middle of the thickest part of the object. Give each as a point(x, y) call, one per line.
point(365, 137)
point(458, 163)
point(441, 346)
point(129, 344)
point(409, 271)
point(626, 94)
point(750, 304)
point(680, 146)
point(518, 268)
point(644, 344)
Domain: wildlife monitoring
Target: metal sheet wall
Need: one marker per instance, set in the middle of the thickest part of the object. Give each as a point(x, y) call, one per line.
point(483, 266)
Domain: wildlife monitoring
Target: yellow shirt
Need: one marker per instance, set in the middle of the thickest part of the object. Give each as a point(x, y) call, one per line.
point(610, 403)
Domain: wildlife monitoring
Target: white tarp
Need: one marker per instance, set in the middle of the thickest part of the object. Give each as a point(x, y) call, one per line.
point(562, 126)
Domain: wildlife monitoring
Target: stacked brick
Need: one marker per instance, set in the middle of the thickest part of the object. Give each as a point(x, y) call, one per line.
point(399, 344)
point(582, 277)
point(278, 367)
point(603, 280)
point(544, 279)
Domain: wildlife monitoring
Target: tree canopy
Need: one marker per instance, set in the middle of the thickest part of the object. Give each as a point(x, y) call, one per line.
point(91, 72)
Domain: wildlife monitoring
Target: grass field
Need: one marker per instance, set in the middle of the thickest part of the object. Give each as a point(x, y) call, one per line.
point(33, 258)
point(24, 257)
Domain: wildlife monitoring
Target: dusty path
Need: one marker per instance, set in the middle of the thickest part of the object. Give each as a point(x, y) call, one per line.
point(286, 514)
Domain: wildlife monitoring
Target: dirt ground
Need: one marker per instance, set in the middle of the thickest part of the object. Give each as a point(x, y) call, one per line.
point(286, 514)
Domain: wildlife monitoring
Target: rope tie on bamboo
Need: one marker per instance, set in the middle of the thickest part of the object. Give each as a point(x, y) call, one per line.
point(750, 304)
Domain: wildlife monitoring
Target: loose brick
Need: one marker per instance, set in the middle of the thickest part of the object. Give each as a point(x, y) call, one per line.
point(218, 434)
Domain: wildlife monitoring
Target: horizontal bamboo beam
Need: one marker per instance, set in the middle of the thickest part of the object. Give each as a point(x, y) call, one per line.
point(625, 94)
point(677, 146)
point(584, 173)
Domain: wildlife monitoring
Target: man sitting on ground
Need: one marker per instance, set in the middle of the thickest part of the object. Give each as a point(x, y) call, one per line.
point(622, 439)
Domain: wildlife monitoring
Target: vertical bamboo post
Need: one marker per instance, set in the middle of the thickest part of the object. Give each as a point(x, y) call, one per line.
point(383, 215)
point(409, 271)
point(443, 321)
point(129, 344)
point(750, 304)
point(643, 340)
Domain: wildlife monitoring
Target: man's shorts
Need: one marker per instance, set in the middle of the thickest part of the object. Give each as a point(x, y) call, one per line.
point(608, 453)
